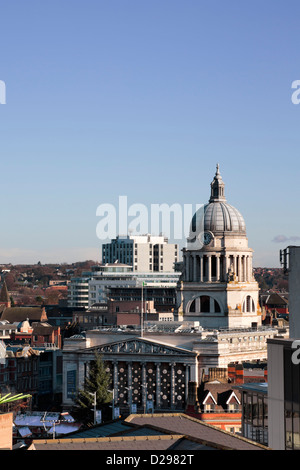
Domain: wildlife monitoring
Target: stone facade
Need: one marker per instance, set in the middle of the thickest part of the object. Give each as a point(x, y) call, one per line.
point(153, 371)
point(217, 286)
point(146, 375)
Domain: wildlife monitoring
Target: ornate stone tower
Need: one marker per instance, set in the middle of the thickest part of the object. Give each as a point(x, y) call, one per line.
point(217, 287)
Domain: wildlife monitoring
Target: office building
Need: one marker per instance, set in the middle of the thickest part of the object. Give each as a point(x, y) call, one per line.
point(145, 253)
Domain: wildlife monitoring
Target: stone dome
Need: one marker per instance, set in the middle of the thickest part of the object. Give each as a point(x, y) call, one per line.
point(217, 216)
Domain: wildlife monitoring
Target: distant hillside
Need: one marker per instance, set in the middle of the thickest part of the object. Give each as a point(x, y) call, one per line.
point(33, 284)
point(271, 279)
point(38, 284)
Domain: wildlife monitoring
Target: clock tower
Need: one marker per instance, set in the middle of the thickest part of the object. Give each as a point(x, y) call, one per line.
point(217, 287)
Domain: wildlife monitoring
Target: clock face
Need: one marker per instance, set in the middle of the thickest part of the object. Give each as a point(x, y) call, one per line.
point(207, 238)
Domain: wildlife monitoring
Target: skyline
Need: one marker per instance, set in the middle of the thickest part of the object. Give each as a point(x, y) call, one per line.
point(143, 100)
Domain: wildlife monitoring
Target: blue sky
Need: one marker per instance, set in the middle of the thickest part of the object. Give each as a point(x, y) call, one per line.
point(136, 98)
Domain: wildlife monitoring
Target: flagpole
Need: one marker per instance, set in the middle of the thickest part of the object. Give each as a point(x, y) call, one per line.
point(142, 312)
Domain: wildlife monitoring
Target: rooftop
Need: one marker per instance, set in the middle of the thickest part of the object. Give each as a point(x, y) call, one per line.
point(151, 432)
point(253, 387)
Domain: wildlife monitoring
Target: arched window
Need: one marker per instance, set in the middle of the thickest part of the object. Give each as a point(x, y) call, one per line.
point(248, 305)
point(204, 304)
point(217, 307)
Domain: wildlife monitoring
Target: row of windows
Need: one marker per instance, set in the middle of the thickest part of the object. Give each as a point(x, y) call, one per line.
point(255, 417)
point(27, 383)
point(208, 305)
point(26, 366)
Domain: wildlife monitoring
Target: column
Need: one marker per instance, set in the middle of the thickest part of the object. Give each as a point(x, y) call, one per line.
point(172, 385)
point(129, 384)
point(144, 386)
point(158, 385)
point(194, 371)
point(217, 267)
point(247, 268)
point(239, 269)
point(225, 267)
point(187, 378)
point(195, 267)
point(116, 388)
point(209, 268)
point(201, 268)
point(187, 266)
point(234, 264)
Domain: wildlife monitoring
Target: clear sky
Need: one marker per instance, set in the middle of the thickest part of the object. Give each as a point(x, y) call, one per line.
point(142, 98)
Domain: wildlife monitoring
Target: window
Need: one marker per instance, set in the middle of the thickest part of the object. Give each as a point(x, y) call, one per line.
point(248, 305)
point(205, 304)
point(232, 407)
point(209, 408)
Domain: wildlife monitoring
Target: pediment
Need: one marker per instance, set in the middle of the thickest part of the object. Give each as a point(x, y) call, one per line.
point(142, 346)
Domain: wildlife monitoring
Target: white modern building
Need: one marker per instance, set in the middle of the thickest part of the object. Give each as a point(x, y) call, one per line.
point(145, 253)
point(94, 286)
point(78, 291)
point(218, 288)
point(116, 275)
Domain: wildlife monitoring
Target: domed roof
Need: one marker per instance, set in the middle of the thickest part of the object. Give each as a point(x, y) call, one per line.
point(217, 215)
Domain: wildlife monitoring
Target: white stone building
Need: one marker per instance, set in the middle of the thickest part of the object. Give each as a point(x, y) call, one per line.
point(217, 287)
point(154, 369)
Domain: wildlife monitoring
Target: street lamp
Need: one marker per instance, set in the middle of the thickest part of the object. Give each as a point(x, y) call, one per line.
point(113, 402)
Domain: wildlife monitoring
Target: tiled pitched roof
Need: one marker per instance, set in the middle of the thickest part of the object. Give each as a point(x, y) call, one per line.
point(194, 428)
point(172, 432)
point(19, 314)
point(132, 443)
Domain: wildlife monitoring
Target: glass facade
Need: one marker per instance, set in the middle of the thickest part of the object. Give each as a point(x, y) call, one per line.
point(255, 413)
point(291, 401)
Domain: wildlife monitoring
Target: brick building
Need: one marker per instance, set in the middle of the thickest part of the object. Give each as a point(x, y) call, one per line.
point(216, 404)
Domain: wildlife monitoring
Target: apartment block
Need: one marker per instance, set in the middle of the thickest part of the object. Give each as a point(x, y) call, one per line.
point(146, 253)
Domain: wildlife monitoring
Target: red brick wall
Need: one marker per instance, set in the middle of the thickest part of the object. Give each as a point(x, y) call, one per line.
point(128, 319)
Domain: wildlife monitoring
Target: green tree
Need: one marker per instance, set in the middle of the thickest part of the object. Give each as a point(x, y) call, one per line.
point(98, 381)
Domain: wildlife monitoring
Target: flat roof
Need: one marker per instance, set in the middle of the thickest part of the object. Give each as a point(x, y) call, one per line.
point(259, 387)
